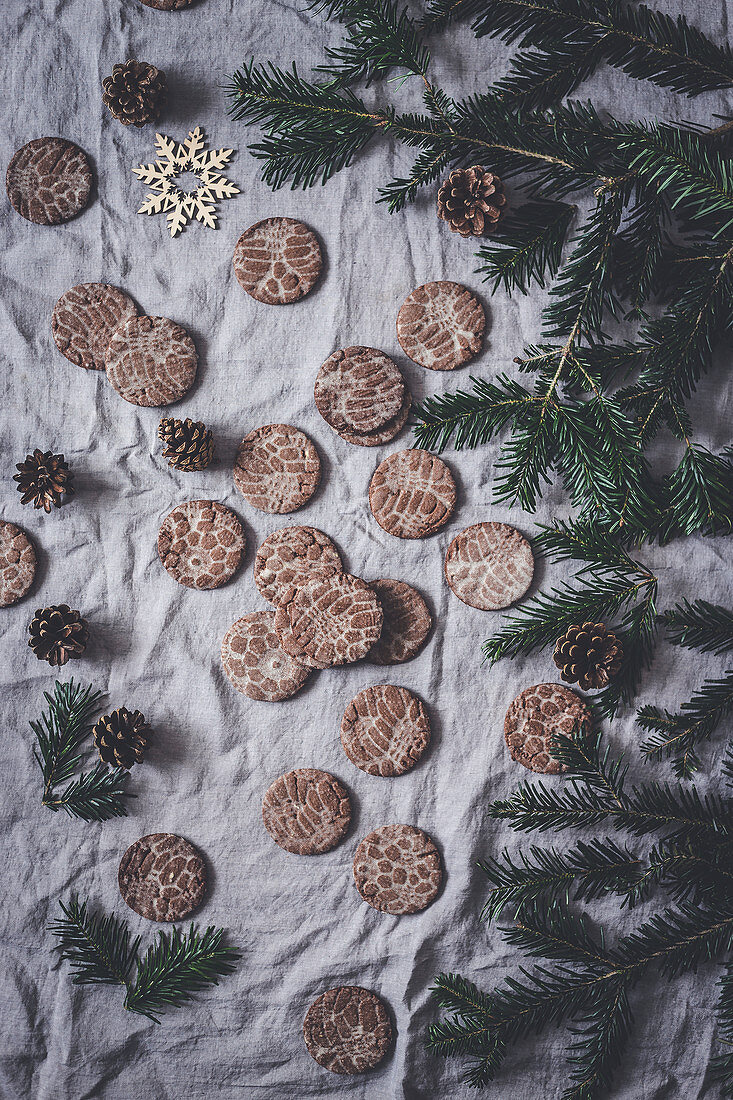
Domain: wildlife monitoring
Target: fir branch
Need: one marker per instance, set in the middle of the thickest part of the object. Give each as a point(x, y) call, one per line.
point(379, 38)
point(529, 247)
point(538, 79)
point(600, 1040)
point(700, 625)
point(428, 167)
point(700, 493)
point(722, 1065)
point(686, 871)
point(100, 949)
point(469, 418)
point(60, 731)
point(94, 796)
point(677, 736)
point(638, 250)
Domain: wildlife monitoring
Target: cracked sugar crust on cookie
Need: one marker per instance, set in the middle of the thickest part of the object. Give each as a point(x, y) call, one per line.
point(407, 622)
point(331, 620)
point(306, 811)
point(412, 494)
point(167, 5)
point(382, 435)
point(277, 260)
point(489, 566)
point(17, 564)
point(162, 877)
point(293, 555)
point(49, 181)
point(255, 662)
point(385, 730)
point(201, 544)
point(397, 869)
point(359, 389)
point(535, 716)
point(151, 361)
point(441, 325)
point(348, 1030)
point(277, 468)
point(85, 319)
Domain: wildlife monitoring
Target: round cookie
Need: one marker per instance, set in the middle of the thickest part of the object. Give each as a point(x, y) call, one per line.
point(151, 361)
point(412, 494)
point(277, 261)
point(277, 468)
point(49, 181)
point(407, 622)
point(347, 1030)
point(534, 716)
point(167, 5)
point(385, 434)
point(306, 811)
point(331, 620)
point(162, 877)
point(489, 566)
point(359, 389)
point(397, 869)
point(201, 544)
point(291, 556)
point(85, 319)
point(385, 730)
point(255, 662)
point(17, 563)
point(441, 325)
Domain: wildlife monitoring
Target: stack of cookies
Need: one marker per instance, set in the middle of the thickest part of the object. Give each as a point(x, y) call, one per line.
point(362, 395)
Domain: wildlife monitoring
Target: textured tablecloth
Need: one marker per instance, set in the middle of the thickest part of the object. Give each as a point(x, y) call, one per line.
point(299, 923)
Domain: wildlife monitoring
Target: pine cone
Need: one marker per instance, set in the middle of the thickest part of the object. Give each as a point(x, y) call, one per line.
point(44, 478)
point(122, 737)
point(135, 93)
point(471, 200)
point(58, 633)
point(589, 655)
point(189, 443)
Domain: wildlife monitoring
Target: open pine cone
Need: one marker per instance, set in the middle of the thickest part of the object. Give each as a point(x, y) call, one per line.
point(44, 478)
point(588, 655)
point(135, 93)
point(58, 633)
point(471, 200)
point(189, 443)
point(122, 737)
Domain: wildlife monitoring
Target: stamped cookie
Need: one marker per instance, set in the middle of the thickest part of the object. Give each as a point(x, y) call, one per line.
point(306, 811)
point(151, 361)
point(359, 390)
point(17, 564)
point(49, 181)
point(331, 620)
point(441, 325)
point(293, 555)
point(412, 494)
point(406, 625)
point(385, 730)
point(167, 5)
point(489, 565)
point(255, 662)
point(535, 716)
point(201, 544)
point(277, 468)
point(348, 1030)
point(85, 319)
point(397, 869)
point(162, 877)
point(277, 260)
point(382, 435)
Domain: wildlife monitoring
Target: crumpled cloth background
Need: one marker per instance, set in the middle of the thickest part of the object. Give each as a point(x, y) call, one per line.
point(299, 923)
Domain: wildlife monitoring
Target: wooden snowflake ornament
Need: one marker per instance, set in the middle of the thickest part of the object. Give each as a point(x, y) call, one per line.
point(178, 205)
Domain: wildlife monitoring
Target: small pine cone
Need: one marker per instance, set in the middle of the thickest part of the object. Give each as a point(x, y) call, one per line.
point(471, 200)
point(588, 655)
point(122, 737)
point(189, 443)
point(135, 93)
point(58, 633)
point(44, 478)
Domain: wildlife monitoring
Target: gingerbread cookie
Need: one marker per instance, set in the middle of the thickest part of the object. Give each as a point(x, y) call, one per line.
point(49, 181)
point(277, 468)
point(397, 869)
point(359, 390)
point(167, 5)
point(255, 662)
point(330, 620)
point(277, 260)
point(441, 325)
point(201, 544)
point(412, 494)
point(347, 1030)
point(406, 626)
point(536, 715)
point(151, 361)
point(489, 565)
point(17, 563)
point(382, 435)
point(84, 320)
point(291, 556)
point(306, 811)
point(162, 877)
point(385, 730)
